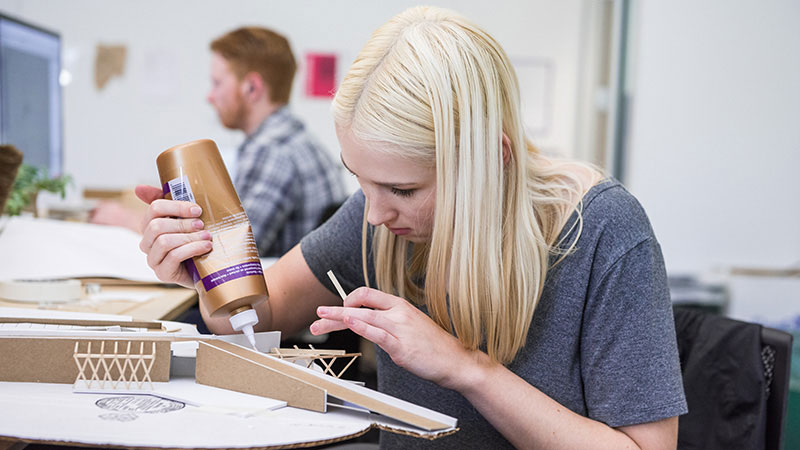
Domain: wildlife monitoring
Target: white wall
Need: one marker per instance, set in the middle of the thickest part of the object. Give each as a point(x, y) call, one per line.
point(113, 136)
point(714, 140)
point(715, 131)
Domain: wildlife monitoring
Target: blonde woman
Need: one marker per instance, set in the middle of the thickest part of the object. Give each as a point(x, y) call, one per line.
point(524, 295)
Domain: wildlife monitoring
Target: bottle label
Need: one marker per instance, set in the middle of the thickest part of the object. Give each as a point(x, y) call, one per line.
point(180, 189)
point(234, 253)
point(232, 273)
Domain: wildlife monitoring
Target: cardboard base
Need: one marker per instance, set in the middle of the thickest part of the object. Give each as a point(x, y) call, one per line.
point(52, 413)
point(37, 409)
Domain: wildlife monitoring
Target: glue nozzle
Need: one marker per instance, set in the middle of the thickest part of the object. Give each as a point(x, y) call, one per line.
point(251, 336)
point(243, 321)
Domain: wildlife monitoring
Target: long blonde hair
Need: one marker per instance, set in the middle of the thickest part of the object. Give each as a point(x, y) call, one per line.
point(444, 93)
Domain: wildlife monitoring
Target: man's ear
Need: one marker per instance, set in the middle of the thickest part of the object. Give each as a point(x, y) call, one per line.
point(506, 150)
point(252, 86)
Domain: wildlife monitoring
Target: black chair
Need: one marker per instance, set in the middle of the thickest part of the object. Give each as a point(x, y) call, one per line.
point(781, 343)
point(736, 379)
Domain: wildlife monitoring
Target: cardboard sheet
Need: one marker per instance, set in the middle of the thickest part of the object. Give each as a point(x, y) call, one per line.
point(219, 369)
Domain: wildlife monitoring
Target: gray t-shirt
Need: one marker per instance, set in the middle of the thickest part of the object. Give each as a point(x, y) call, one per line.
point(602, 341)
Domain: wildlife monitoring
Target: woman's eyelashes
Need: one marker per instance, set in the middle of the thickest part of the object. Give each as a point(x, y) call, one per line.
point(402, 192)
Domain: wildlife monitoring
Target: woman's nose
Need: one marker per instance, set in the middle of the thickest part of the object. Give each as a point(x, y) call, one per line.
point(379, 212)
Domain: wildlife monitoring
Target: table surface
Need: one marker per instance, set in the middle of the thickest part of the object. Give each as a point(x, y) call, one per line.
point(51, 414)
point(165, 303)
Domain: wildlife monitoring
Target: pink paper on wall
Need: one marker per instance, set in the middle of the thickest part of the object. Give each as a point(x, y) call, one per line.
point(320, 74)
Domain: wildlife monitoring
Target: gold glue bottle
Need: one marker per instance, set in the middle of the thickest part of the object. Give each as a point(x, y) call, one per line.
point(229, 279)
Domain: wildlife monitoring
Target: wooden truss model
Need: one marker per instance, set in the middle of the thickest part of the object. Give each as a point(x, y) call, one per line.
point(326, 358)
point(107, 368)
point(67, 359)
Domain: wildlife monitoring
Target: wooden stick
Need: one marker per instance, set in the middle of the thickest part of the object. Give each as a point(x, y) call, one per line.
point(84, 322)
point(337, 285)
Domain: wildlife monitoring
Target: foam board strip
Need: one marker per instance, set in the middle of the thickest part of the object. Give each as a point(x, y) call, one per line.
point(374, 401)
point(224, 369)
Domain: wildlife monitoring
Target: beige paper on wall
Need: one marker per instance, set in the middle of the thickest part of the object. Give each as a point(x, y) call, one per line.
point(109, 62)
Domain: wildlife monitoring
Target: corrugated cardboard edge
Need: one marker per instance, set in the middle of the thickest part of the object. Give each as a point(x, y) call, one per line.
point(353, 394)
point(272, 447)
point(220, 368)
point(428, 436)
point(50, 360)
point(15, 441)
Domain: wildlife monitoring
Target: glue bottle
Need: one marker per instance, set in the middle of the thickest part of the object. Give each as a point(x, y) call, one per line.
point(229, 279)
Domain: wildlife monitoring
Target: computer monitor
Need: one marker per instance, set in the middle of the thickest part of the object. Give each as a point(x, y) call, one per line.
point(30, 93)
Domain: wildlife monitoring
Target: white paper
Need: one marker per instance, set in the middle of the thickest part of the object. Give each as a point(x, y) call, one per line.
point(128, 296)
point(265, 342)
point(52, 249)
point(185, 390)
point(53, 314)
point(43, 330)
point(51, 412)
point(536, 85)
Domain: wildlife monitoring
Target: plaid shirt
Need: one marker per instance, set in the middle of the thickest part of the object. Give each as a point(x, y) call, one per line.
point(286, 181)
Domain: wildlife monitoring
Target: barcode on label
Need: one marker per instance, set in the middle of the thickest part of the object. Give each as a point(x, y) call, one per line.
point(181, 190)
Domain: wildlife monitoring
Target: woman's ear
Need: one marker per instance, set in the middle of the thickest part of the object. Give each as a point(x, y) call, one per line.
point(506, 150)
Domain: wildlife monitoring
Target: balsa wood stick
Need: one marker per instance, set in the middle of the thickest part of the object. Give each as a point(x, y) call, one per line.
point(337, 285)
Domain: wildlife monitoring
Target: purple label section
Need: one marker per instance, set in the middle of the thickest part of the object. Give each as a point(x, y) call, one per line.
point(192, 269)
point(165, 188)
point(232, 273)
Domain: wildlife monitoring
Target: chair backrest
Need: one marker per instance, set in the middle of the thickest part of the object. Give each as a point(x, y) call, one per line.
point(736, 379)
point(781, 343)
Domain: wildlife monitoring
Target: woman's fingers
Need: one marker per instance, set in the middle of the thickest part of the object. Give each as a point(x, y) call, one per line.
point(385, 340)
point(162, 226)
point(172, 208)
point(171, 234)
point(371, 298)
point(178, 246)
point(148, 194)
point(167, 266)
point(373, 307)
point(379, 336)
point(411, 338)
point(323, 326)
point(378, 318)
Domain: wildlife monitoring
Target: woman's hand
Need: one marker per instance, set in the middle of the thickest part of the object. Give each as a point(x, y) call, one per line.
point(411, 338)
point(171, 234)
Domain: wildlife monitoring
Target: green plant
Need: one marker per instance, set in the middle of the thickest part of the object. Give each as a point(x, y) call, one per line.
point(29, 181)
